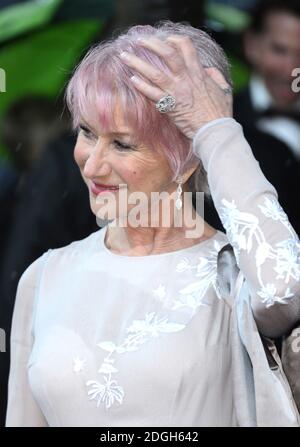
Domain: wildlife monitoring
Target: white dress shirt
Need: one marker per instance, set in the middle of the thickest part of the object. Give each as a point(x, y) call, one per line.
point(283, 128)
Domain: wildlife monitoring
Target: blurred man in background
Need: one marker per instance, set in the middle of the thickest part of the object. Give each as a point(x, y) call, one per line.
point(272, 47)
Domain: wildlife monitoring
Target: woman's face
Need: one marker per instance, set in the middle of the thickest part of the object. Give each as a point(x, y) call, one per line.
point(118, 159)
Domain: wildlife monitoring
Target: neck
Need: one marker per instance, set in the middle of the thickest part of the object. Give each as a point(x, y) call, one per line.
point(129, 240)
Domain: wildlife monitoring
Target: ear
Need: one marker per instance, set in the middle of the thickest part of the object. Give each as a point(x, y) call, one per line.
point(252, 47)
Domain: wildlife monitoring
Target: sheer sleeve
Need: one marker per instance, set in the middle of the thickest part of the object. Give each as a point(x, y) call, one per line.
point(266, 247)
point(22, 409)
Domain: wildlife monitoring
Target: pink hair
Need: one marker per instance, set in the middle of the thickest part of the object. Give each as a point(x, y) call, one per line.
point(102, 79)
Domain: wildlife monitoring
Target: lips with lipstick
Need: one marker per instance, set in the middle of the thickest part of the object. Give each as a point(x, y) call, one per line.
point(98, 188)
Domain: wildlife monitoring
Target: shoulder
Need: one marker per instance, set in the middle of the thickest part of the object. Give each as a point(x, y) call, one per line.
point(31, 274)
point(50, 267)
point(81, 247)
point(80, 244)
point(55, 256)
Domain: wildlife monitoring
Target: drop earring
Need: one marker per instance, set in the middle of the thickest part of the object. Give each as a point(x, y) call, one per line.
point(178, 202)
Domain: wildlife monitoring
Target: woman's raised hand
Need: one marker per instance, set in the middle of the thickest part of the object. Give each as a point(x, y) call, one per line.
point(201, 94)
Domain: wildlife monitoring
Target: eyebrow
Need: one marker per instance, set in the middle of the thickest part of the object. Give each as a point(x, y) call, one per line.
point(123, 133)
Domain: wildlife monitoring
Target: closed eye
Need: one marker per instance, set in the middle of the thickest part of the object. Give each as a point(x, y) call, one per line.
point(119, 144)
point(122, 146)
point(86, 132)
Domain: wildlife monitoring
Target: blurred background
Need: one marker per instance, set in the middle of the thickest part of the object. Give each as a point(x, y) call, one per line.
point(43, 201)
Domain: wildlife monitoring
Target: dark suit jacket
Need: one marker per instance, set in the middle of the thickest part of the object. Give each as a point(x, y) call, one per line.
point(243, 110)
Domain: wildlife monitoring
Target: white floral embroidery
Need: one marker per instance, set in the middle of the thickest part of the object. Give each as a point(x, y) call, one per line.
point(160, 292)
point(268, 295)
point(240, 227)
point(244, 233)
point(194, 294)
point(272, 209)
point(191, 296)
point(183, 265)
point(207, 267)
point(263, 252)
point(105, 393)
point(152, 326)
point(78, 364)
point(288, 260)
point(139, 332)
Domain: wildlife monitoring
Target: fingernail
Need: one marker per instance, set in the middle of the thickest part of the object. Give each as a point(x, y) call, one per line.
point(134, 79)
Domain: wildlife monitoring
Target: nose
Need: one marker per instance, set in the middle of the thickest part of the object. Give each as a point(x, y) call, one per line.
point(96, 164)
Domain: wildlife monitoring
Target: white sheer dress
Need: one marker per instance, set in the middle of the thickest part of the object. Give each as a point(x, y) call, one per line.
point(101, 339)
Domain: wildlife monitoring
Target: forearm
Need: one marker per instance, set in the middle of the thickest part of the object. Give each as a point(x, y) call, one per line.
point(265, 244)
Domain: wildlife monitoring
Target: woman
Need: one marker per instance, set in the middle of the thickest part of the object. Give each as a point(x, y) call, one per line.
point(149, 325)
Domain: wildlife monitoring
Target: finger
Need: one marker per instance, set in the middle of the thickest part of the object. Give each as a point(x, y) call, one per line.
point(156, 76)
point(217, 77)
point(150, 91)
point(189, 54)
point(169, 53)
point(214, 80)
